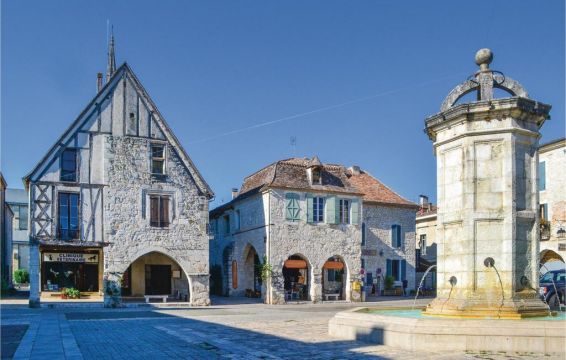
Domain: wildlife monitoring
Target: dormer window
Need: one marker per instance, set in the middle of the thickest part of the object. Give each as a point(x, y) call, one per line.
point(316, 178)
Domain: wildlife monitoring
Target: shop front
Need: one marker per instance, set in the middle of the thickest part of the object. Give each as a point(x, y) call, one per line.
point(64, 268)
point(296, 278)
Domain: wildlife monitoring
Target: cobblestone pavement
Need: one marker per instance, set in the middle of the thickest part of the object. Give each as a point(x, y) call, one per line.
point(224, 331)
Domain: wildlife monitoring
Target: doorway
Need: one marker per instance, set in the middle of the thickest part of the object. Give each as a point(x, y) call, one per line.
point(158, 279)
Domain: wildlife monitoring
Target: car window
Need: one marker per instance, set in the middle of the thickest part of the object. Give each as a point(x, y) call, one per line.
point(546, 277)
point(560, 277)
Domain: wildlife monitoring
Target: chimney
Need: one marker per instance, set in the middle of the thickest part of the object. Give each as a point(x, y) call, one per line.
point(98, 82)
point(234, 193)
point(423, 201)
point(355, 170)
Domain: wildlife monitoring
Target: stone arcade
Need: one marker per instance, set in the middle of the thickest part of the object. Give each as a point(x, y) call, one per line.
point(117, 206)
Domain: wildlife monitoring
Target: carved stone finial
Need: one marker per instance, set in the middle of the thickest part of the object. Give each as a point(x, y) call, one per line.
point(484, 57)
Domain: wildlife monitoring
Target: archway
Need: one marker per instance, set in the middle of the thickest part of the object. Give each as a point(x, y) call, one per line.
point(296, 278)
point(334, 274)
point(550, 260)
point(250, 281)
point(155, 273)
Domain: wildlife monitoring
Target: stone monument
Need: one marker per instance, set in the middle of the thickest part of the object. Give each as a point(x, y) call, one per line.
point(487, 224)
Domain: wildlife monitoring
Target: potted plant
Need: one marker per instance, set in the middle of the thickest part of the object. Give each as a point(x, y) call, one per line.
point(72, 293)
point(388, 282)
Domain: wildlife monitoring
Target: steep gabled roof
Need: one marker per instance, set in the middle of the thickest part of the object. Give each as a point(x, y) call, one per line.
point(123, 70)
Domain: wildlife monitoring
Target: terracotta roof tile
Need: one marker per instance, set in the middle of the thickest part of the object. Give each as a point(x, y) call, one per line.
point(375, 191)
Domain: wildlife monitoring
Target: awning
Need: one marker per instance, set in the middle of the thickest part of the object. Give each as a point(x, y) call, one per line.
point(336, 265)
point(295, 264)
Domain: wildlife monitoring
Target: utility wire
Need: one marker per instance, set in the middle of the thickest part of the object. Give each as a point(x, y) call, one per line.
point(326, 108)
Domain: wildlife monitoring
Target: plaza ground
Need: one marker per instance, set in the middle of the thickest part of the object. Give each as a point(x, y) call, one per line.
point(230, 329)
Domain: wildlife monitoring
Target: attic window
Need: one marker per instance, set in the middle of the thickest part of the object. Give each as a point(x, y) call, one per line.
point(157, 159)
point(316, 176)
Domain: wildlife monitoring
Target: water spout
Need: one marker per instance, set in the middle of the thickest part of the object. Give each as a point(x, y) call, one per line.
point(453, 281)
point(421, 284)
point(490, 263)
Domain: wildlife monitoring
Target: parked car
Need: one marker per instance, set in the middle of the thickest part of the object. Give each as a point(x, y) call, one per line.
point(553, 296)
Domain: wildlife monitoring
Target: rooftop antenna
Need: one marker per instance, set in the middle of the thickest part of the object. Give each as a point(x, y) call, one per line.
point(293, 142)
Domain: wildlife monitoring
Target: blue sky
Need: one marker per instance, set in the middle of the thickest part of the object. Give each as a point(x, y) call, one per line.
point(217, 66)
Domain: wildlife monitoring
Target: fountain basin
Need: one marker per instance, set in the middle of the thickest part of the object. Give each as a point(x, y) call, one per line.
point(398, 327)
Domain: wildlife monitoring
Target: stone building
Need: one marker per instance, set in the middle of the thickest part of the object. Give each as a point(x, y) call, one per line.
point(552, 202)
point(305, 220)
point(6, 218)
point(426, 242)
point(117, 207)
point(17, 201)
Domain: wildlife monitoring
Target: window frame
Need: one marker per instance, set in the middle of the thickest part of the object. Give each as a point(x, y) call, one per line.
point(62, 176)
point(226, 220)
point(542, 176)
point(422, 244)
point(77, 231)
point(160, 223)
point(396, 236)
point(318, 207)
point(20, 207)
point(345, 217)
point(318, 172)
point(153, 158)
point(364, 234)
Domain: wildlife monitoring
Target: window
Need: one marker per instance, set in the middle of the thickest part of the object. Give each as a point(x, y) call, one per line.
point(20, 217)
point(69, 165)
point(226, 224)
point(68, 216)
point(292, 208)
point(422, 244)
point(396, 236)
point(344, 211)
point(318, 209)
point(159, 210)
point(541, 176)
point(543, 211)
point(316, 176)
point(158, 159)
point(363, 234)
point(363, 263)
point(237, 220)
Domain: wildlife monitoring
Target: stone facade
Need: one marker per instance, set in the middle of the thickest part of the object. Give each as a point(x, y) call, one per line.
point(135, 222)
point(257, 222)
point(552, 199)
point(378, 248)
point(487, 203)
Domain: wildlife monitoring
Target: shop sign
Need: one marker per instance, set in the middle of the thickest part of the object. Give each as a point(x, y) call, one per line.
point(71, 258)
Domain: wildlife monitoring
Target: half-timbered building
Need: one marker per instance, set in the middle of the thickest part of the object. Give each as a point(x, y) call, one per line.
point(117, 207)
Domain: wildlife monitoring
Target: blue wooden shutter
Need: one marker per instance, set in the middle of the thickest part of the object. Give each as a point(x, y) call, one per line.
point(541, 176)
point(389, 268)
point(331, 210)
point(363, 234)
point(399, 239)
point(292, 206)
point(403, 272)
point(309, 208)
point(355, 212)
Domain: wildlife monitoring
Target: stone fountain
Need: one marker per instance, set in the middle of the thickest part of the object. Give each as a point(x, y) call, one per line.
point(487, 159)
point(487, 230)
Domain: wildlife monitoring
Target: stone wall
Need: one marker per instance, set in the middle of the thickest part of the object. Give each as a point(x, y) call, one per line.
point(126, 213)
point(314, 242)
point(378, 220)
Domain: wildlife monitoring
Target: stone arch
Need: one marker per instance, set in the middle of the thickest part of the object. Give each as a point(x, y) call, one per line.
point(297, 277)
point(156, 256)
point(549, 255)
point(250, 281)
point(341, 278)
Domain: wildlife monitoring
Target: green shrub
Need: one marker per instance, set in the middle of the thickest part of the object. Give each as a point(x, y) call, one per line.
point(21, 276)
point(72, 293)
point(389, 281)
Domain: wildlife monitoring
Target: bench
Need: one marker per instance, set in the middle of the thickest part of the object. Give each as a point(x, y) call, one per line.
point(163, 297)
point(335, 296)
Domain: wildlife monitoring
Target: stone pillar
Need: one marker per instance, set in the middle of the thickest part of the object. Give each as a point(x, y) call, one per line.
point(199, 289)
point(112, 289)
point(316, 293)
point(34, 276)
point(487, 220)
